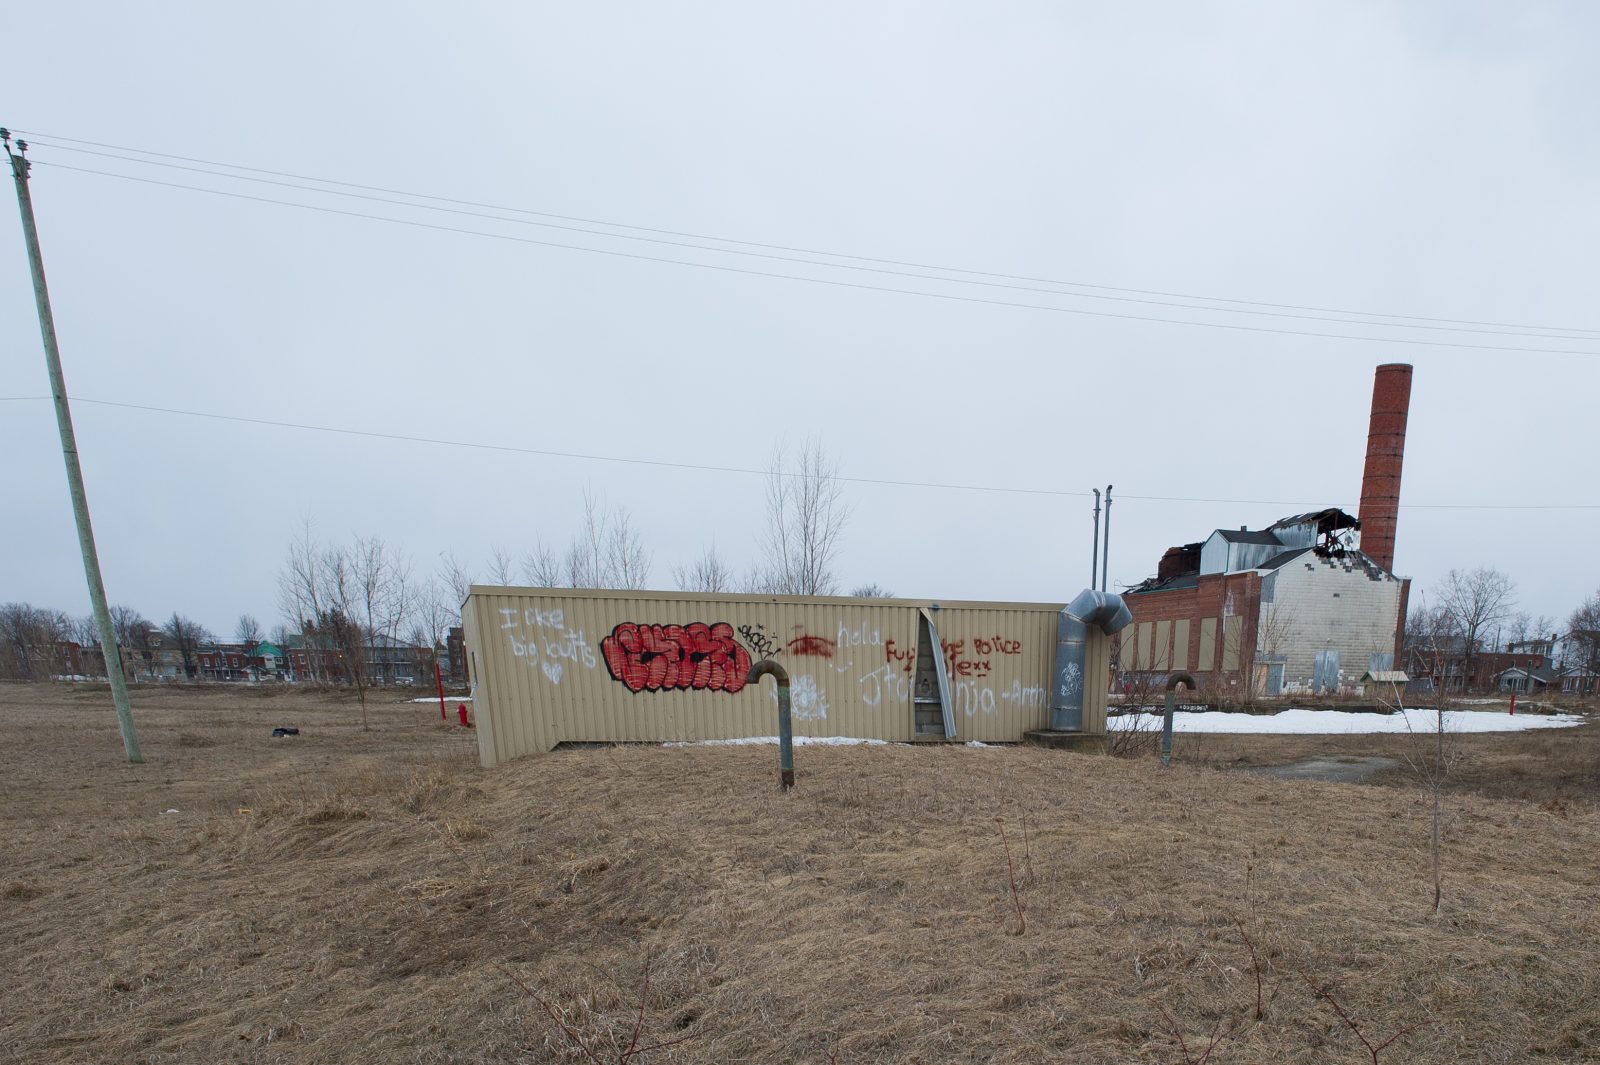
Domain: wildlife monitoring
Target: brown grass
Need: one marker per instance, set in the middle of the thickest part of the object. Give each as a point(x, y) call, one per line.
point(350, 896)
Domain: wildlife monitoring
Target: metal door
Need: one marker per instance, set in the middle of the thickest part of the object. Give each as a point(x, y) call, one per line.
point(942, 674)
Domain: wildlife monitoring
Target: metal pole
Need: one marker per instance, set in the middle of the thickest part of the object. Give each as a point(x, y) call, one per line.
point(69, 453)
point(1105, 557)
point(767, 667)
point(438, 678)
point(1094, 559)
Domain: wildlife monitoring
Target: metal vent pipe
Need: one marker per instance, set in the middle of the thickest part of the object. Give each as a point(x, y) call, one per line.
point(1105, 611)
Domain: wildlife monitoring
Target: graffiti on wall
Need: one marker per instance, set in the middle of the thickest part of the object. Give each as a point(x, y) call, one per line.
point(543, 636)
point(758, 640)
point(804, 645)
point(959, 662)
point(695, 657)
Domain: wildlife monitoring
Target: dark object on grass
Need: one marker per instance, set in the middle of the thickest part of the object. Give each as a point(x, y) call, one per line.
point(284, 730)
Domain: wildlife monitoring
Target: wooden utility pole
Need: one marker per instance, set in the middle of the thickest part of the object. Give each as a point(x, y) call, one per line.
point(69, 452)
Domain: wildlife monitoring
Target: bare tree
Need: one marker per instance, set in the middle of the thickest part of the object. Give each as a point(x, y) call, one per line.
point(499, 566)
point(25, 632)
point(136, 641)
point(541, 568)
point(1475, 602)
point(806, 516)
point(607, 552)
point(247, 631)
point(708, 573)
point(1431, 754)
point(300, 595)
point(627, 561)
point(871, 591)
point(186, 636)
point(1583, 633)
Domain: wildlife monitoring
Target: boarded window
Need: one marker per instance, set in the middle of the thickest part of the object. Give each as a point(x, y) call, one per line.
point(1208, 645)
point(1180, 644)
point(1163, 652)
point(1232, 631)
point(1144, 645)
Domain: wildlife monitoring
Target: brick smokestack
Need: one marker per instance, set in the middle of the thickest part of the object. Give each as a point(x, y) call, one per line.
point(1386, 451)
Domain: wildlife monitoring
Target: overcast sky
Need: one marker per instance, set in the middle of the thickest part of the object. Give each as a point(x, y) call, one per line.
point(1429, 160)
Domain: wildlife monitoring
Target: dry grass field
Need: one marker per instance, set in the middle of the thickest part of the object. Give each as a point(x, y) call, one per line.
point(350, 896)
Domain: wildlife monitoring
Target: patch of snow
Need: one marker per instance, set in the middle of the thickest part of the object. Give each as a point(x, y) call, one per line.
point(799, 741)
point(447, 698)
point(1341, 723)
point(976, 743)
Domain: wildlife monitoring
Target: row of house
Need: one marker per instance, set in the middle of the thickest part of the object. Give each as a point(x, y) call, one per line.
point(388, 661)
point(1532, 666)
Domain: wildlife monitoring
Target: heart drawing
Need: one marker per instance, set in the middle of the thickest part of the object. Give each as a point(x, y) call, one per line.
point(552, 670)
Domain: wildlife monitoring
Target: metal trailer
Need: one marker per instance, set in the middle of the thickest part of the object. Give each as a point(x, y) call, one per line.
point(552, 666)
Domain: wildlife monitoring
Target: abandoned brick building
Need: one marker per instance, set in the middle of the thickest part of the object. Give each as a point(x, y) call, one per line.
point(1310, 603)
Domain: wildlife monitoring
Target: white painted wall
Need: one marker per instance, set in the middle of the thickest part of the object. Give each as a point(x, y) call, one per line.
point(1320, 606)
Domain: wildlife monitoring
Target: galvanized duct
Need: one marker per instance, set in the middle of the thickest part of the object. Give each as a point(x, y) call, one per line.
point(1105, 611)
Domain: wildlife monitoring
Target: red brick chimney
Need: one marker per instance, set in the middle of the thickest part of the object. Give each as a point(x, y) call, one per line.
point(1386, 450)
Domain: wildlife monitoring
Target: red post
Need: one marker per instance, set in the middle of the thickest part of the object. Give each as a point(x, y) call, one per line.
point(438, 679)
point(1513, 704)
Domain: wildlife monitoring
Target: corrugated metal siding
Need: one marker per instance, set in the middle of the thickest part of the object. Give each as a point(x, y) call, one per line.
point(556, 665)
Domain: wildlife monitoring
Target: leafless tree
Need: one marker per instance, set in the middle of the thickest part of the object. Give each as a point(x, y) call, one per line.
point(541, 568)
point(136, 641)
point(247, 631)
point(27, 636)
point(1475, 602)
point(500, 571)
point(454, 579)
point(1431, 754)
point(708, 573)
point(871, 591)
point(434, 616)
point(806, 516)
point(607, 552)
point(300, 594)
point(186, 636)
point(1583, 633)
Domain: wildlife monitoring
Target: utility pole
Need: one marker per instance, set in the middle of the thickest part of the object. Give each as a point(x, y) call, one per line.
point(69, 452)
point(1105, 557)
point(1094, 559)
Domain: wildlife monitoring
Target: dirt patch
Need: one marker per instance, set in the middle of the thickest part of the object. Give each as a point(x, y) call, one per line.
point(1342, 769)
point(353, 896)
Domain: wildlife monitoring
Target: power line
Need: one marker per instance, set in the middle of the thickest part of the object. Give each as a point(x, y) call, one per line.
point(709, 468)
point(834, 255)
point(830, 282)
point(790, 258)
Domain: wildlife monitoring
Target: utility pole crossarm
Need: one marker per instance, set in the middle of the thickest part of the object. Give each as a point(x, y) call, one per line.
point(69, 452)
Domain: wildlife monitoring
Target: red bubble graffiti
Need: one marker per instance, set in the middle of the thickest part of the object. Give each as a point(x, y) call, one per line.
point(668, 657)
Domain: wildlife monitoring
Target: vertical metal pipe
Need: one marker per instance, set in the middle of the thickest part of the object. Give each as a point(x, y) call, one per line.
point(785, 726)
point(1105, 556)
point(69, 453)
point(1173, 680)
point(1166, 729)
point(1094, 560)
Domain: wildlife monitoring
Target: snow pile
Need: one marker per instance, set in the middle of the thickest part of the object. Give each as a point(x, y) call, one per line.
point(1339, 722)
point(799, 741)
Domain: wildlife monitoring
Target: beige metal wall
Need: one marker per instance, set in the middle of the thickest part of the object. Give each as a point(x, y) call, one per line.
point(554, 666)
